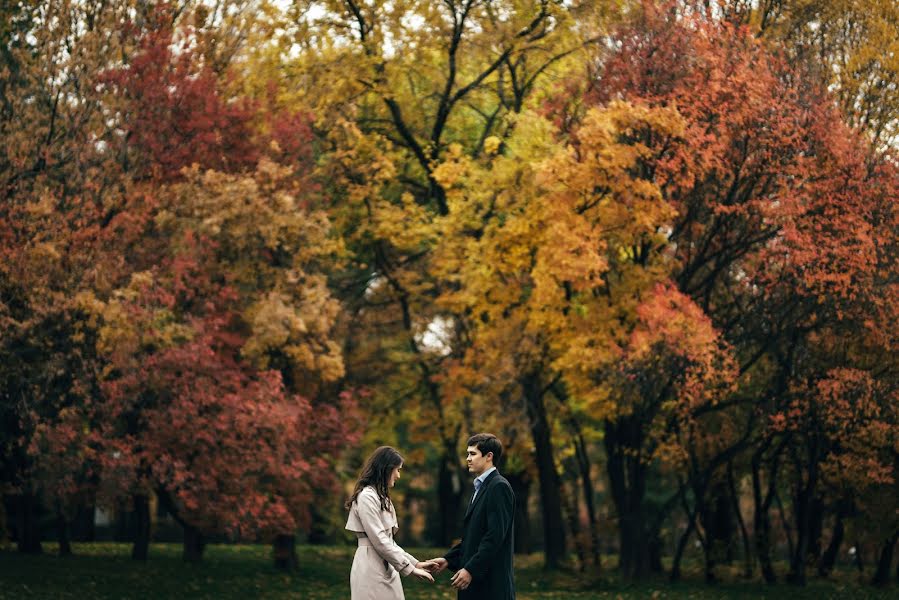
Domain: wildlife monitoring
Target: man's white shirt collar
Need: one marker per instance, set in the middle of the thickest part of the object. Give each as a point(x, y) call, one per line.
point(483, 476)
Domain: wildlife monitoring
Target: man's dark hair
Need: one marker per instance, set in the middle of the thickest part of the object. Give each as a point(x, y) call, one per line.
point(487, 442)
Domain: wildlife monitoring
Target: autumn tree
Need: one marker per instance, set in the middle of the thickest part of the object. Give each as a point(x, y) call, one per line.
point(58, 186)
point(766, 179)
point(425, 75)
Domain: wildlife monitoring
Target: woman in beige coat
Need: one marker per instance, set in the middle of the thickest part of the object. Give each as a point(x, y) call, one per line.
point(379, 561)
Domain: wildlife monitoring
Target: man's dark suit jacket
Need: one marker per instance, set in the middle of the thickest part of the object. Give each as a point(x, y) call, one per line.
point(486, 547)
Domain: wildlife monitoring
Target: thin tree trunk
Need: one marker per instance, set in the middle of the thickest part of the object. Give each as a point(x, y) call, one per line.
point(548, 477)
point(521, 487)
point(449, 496)
point(829, 558)
point(627, 481)
point(735, 505)
point(141, 547)
point(816, 528)
point(194, 544)
point(802, 507)
point(285, 551)
point(761, 515)
point(708, 518)
point(62, 534)
point(654, 541)
point(682, 543)
point(82, 527)
point(583, 462)
point(885, 561)
point(785, 523)
point(28, 533)
point(572, 511)
point(859, 558)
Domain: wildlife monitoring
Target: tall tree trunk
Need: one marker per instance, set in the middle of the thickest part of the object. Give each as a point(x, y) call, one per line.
point(62, 534)
point(744, 534)
point(82, 527)
point(829, 558)
point(521, 487)
point(785, 524)
point(885, 561)
point(802, 507)
point(627, 481)
point(583, 463)
point(654, 543)
point(859, 557)
point(121, 525)
point(682, 544)
point(194, 544)
point(723, 526)
point(449, 496)
point(816, 528)
point(706, 517)
point(548, 477)
point(285, 551)
point(28, 533)
point(761, 513)
point(573, 514)
point(141, 515)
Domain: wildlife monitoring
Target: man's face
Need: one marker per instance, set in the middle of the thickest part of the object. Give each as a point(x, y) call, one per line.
point(477, 462)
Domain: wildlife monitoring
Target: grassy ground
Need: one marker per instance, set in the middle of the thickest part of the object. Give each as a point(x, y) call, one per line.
point(105, 571)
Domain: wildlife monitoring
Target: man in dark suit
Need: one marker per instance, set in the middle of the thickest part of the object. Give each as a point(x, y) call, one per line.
point(482, 561)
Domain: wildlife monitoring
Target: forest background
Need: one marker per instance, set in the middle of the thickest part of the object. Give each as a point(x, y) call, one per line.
point(652, 245)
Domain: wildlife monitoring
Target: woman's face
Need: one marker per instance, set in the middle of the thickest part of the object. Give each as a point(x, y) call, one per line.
point(394, 475)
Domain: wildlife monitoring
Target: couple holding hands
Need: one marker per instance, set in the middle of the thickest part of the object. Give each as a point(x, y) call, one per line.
point(481, 562)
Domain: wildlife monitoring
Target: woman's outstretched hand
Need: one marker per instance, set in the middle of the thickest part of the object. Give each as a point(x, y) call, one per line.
point(423, 575)
point(428, 565)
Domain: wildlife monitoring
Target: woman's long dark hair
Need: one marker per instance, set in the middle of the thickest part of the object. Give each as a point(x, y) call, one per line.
point(376, 473)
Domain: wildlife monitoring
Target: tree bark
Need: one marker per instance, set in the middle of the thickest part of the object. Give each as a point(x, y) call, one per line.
point(761, 514)
point(62, 534)
point(82, 527)
point(521, 487)
point(194, 544)
point(285, 552)
point(829, 558)
point(28, 534)
point(803, 507)
point(681, 546)
point(885, 561)
point(572, 512)
point(583, 462)
point(141, 513)
point(816, 528)
point(548, 478)
point(706, 518)
point(723, 526)
point(449, 497)
point(627, 481)
point(735, 504)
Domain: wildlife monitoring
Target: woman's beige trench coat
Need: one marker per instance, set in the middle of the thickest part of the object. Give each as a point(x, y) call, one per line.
point(379, 561)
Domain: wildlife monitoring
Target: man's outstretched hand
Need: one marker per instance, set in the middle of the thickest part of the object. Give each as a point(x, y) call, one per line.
point(440, 565)
point(427, 565)
point(461, 580)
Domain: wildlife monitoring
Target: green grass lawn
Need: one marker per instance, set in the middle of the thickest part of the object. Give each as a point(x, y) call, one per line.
point(105, 571)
